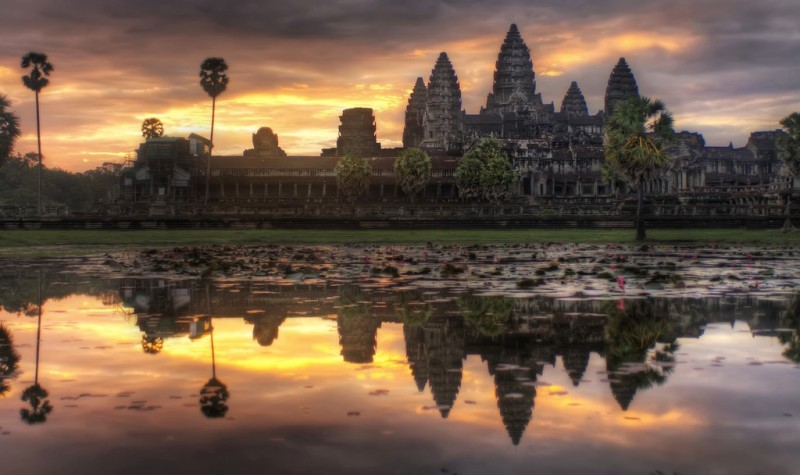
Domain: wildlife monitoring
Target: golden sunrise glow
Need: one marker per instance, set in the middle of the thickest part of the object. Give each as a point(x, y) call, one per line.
point(93, 114)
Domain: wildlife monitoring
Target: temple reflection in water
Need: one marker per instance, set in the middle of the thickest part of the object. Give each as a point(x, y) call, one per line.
point(517, 338)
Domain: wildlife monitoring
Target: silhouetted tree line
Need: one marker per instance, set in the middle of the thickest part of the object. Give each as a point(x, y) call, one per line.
point(77, 191)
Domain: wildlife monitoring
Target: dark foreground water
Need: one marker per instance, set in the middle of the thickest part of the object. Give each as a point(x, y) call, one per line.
point(164, 375)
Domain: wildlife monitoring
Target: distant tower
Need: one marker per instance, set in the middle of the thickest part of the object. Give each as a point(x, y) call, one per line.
point(443, 117)
point(357, 133)
point(514, 85)
point(574, 105)
point(414, 130)
point(621, 86)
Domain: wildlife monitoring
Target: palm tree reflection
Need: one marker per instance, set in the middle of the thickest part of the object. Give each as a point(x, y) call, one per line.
point(641, 348)
point(214, 394)
point(36, 395)
point(791, 320)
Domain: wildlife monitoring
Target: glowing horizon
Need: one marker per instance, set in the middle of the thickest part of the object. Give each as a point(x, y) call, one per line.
point(720, 77)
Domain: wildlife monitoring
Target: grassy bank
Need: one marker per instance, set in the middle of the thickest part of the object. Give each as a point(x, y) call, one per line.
point(63, 243)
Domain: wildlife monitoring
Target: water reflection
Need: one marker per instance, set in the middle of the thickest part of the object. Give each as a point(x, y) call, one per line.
point(619, 350)
point(9, 359)
point(35, 395)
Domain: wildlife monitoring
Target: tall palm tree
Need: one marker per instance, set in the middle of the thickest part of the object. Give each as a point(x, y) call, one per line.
point(789, 145)
point(214, 81)
point(37, 80)
point(152, 128)
point(9, 129)
point(636, 137)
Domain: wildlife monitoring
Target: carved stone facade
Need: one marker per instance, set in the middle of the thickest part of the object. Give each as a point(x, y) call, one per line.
point(443, 116)
point(357, 133)
point(265, 144)
point(414, 131)
point(558, 155)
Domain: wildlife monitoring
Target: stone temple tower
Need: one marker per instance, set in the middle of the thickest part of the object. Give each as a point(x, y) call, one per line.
point(414, 131)
point(357, 133)
point(621, 86)
point(444, 121)
point(574, 104)
point(514, 86)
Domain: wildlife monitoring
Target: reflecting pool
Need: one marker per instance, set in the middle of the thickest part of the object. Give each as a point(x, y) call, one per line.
point(187, 375)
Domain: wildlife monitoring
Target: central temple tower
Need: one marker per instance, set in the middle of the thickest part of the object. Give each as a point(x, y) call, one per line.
point(514, 85)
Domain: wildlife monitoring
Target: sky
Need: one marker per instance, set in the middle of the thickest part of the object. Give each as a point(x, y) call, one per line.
point(723, 67)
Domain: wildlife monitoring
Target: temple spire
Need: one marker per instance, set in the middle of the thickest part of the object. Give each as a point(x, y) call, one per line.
point(514, 85)
point(443, 115)
point(621, 86)
point(574, 104)
point(414, 131)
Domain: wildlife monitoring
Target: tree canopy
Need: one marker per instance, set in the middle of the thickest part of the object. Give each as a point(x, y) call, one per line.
point(352, 177)
point(9, 129)
point(486, 172)
point(412, 171)
point(213, 78)
point(152, 128)
point(636, 137)
point(789, 143)
point(36, 80)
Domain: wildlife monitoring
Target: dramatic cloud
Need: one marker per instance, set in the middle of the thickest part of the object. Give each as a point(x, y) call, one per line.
point(724, 69)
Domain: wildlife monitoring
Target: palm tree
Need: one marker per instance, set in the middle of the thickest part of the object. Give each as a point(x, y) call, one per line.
point(36, 81)
point(9, 129)
point(789, 145)
point(152, 128)
point(214, 81)
point(636, 135)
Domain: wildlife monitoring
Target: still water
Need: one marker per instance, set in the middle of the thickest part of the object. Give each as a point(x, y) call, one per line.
point(193, 376)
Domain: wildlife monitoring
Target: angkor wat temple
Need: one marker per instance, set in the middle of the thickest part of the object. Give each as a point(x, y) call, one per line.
point(558, 154)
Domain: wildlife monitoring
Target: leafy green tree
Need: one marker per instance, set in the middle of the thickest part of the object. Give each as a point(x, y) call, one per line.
point(352, 177)
point(413, 171)
point(9, 129)
point(485, 172)
point(468, 176)
point(789, 145)
point(213, 80)
point(636, 137)
point(37, 80)
point(152, 128)
point(498, 178)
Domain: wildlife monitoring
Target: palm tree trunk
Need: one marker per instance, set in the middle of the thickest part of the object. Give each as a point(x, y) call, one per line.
point(39, 143)
point(640, 233)
point(213, 356)
point(208, 167)
point(787, 225)
point(38, 333)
